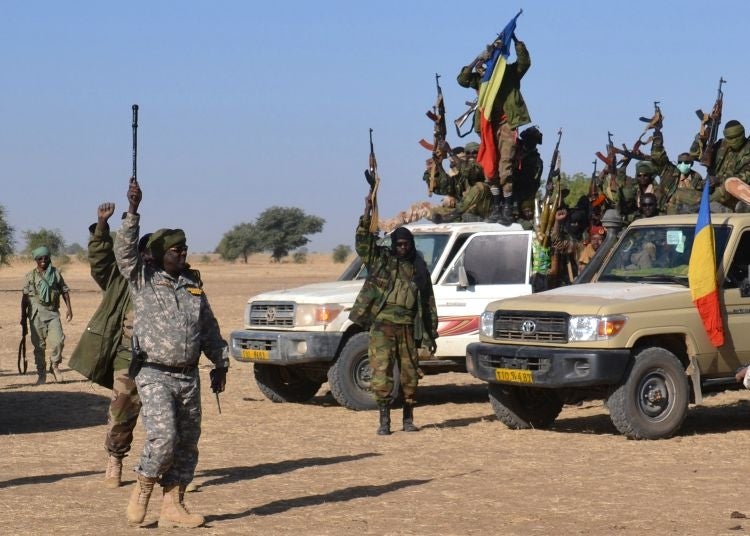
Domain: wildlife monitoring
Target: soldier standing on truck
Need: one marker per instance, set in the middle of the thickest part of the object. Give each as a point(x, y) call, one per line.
point(397, 306)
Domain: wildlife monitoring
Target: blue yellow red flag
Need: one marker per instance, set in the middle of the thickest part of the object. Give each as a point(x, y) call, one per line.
point(488, 88)
point(702, 274)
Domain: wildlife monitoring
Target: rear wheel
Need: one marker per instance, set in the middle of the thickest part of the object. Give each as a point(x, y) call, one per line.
point(524, 407)
point(652, 401)
point(284, 384)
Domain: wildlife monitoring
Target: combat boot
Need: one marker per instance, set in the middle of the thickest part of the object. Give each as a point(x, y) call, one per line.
point(496, 210)
point(409, 418)
point(506, 213)
point(173, 510)
point(113, 476)
point(385, 419)
point(41, 379)
point(139, 498)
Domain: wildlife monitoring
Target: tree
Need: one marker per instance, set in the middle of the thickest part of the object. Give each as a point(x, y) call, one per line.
point(52, 238)
point(241, 241)
point(7, 238)
point(341, 253)
point(75, 249)
point(282, 229)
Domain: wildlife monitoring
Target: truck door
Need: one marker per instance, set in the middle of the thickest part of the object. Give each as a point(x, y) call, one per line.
point(496, 266)
point(737, 306)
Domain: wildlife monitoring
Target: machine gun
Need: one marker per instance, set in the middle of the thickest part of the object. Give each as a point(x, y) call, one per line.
point(709, 131)
point(440, 148)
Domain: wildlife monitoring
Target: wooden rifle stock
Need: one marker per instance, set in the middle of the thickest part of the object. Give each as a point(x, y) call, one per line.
point(709, 131)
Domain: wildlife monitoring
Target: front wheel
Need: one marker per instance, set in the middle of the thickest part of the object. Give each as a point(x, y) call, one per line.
point(652, 401)
point(284, 384)
point(349, 376)
point(524, 407)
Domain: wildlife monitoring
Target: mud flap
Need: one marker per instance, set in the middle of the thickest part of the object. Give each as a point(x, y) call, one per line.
point(695, 377)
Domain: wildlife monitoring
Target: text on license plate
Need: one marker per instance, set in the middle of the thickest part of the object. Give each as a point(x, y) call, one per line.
point(254, 354)
point(513, 375)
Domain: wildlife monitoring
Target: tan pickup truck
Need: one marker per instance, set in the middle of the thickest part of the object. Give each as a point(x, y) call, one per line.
point(631, 336)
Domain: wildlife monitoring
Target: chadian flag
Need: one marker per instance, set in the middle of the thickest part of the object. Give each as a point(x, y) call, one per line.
point(488, 88)
point(702, 274)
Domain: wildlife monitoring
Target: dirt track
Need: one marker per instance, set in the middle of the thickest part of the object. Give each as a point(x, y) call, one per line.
point(319, 469)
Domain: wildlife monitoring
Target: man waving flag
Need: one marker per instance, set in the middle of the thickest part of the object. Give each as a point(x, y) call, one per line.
point(702, 274)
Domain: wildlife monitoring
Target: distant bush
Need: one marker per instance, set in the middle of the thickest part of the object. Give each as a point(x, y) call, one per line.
point(341, 253)
point(300, 256)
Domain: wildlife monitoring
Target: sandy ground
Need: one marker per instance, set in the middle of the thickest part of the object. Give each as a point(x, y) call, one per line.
point(317, 468)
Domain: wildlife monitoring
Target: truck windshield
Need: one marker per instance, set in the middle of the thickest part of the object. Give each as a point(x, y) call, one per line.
point(430, 245)
point(658, 254)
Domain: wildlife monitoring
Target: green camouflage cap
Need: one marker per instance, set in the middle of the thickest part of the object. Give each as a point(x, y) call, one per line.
point(471, 147)
point(644, 168)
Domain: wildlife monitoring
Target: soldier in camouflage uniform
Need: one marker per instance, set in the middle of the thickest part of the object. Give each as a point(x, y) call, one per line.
point(681, 186)
point(40, 304)
point(397, 306)
point(731, 158)
point(528, 167)
point(173, 323)
point(508, 113)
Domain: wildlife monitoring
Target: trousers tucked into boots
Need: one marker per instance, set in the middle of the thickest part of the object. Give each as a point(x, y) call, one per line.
point(409, 418)
point(173, 510)
point(139, 499)
point(385, 419)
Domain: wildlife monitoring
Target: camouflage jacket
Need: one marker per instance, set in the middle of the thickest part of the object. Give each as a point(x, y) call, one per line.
point(509, 101)
point(382, 270)
point(444, 183)
point(95, 353)
point(477, 200)
point(173, 321)
point(675, 199)
point(57, 287)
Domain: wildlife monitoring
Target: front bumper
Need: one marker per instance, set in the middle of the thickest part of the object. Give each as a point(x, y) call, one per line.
point(548, 367)
point(284, 347)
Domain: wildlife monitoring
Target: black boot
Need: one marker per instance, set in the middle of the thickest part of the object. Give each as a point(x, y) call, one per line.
point(506, 214)
point(496, 210)
point(409, 418)
point(385, 419)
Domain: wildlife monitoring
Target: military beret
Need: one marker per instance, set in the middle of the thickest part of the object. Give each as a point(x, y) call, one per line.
point(472, 146)
point(41, 251)
point(163, 239)
point(598, 230)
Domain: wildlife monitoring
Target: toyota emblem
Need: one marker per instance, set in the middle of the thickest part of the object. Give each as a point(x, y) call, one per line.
point(270, 314)
point(528, 327)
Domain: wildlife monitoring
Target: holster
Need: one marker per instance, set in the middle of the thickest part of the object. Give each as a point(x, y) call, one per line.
point(137, 358)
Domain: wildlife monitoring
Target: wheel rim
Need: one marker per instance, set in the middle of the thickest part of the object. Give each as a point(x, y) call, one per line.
point(362, 374)
point(655, 395)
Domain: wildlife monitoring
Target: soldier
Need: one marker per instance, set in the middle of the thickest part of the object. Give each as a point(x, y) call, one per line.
point(649, 206)
point(508, 113)
point(40, 304)
point(681, 185)
point(731, 158)
point(397, 306)
point(596, 239)
point(528, 166)
point(173, 324)
point(567, 244)
point(633, 191)
point(103, 351)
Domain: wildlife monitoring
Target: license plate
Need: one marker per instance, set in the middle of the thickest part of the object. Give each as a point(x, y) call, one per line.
point(255, 354)
point(513, 375)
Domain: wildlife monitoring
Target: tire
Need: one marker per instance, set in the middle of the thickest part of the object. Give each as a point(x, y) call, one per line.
point(652, 401)
point(349, 376)
point(284, 384)
point(521, 408)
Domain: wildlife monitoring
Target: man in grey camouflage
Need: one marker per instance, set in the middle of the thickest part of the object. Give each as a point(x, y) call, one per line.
point(173, 324)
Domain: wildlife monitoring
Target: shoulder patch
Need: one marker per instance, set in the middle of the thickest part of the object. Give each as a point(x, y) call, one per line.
point(195, 291)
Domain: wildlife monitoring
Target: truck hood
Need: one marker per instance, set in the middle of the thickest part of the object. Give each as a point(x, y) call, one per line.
point(344, 292)
point(602, 298)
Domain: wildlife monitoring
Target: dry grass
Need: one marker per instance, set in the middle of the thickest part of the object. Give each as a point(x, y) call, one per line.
point(319, 469)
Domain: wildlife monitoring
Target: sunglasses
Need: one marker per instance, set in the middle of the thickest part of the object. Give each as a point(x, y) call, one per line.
point(684, 162)
point(178, 249)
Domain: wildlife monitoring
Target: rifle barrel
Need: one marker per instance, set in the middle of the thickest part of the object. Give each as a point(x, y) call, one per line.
point(135, 141)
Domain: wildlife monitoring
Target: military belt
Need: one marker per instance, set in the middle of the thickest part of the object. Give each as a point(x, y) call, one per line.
point(187, 369)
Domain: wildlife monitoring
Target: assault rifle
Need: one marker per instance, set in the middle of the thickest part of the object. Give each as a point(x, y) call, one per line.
point(461, 119)
point(373, 179)
point(655, 122)
point(553, 196)
point(596, 197)
point(23, 364)
point(709, 131)
point(439, 147)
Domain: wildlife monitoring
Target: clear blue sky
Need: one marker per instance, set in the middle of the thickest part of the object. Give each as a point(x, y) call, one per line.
point(247, 105)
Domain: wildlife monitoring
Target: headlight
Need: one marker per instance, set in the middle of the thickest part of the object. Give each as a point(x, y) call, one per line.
point(316, 314)
point(594, 328)
point(487, 323)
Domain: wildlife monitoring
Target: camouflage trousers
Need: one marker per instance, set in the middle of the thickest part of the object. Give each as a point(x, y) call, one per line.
point(171, 416)
point(506, 154)
point(47, 335)
point(124, 407)
point(392, 344)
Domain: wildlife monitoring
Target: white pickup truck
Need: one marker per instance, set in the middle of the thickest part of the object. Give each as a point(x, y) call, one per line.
point(299, 338)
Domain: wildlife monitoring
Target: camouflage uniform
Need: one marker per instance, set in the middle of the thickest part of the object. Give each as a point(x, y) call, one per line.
point(398, 315)
point(681, 193)
point(174, 324)
point(45, 326)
